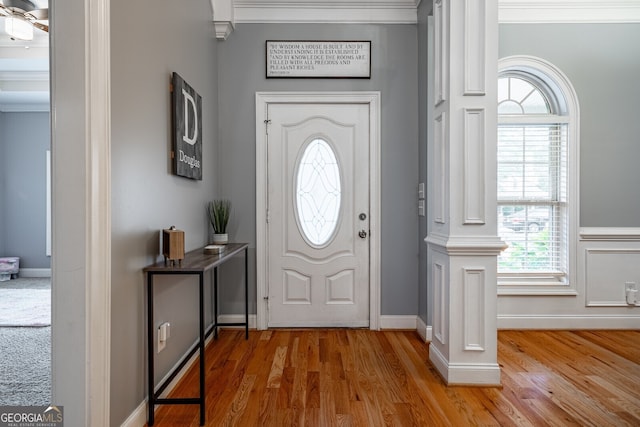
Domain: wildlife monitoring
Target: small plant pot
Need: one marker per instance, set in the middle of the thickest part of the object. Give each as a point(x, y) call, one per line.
point(220, 239)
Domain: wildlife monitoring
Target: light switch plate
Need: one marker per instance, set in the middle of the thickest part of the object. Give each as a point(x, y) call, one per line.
point(421, 190)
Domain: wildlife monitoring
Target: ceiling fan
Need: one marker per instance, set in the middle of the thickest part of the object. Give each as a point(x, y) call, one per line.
point(21, 16)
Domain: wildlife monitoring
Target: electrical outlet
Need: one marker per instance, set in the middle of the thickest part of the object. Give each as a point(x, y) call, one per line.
point(631, 292)
point(164, 332)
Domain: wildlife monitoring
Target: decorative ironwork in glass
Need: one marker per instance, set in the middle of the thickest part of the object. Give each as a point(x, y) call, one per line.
point(318, 192)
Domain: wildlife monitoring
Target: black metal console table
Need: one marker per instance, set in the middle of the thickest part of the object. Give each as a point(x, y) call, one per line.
point(194, 263)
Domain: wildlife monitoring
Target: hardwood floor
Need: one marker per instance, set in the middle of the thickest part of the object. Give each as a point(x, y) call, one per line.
point(337, 377)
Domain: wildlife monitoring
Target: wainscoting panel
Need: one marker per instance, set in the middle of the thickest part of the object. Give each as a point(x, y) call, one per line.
point(607, 258)
point(606, 274)
point(474, 308)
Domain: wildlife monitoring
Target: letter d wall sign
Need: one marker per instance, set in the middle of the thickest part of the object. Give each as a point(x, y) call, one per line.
point(187, 129)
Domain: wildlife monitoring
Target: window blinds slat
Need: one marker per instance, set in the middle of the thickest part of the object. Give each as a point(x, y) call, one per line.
point(532, 163)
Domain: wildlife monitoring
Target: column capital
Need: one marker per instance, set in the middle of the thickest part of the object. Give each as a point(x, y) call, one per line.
point(466, 245)
point(223, 18)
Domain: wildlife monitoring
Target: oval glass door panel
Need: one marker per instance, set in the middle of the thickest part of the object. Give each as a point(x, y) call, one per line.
point(318, 193)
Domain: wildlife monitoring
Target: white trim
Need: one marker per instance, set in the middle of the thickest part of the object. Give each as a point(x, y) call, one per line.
point(98, 211)
point(425, 331)
point(484, 374)
point(609, 274)
point(237, 318)
point(568, 321)
point(48, 224)
point(405, 11)
point(466, 245)
point(262, 101)
point(568, 11)
point(399, 322)
point(25, 108)
point(223, 29)
point(319, 11)
point(35, 272)
point(138, 417)
point(474, 48)
point(474, 175)
point(474, 308)
point(615, 234)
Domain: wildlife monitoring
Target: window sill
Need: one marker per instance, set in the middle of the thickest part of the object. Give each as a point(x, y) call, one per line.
point(536, 289)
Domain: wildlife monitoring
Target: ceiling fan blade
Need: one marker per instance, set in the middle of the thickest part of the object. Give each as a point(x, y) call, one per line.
point(23, 5)
point(41, 26)
point(38, 14)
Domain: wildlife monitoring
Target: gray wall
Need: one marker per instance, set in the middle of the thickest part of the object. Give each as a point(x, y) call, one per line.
point(603, 63)
point(150, 40)
point(24, 141)
point(394, 74)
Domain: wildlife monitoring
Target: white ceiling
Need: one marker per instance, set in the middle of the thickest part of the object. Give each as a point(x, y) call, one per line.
point(24, 70)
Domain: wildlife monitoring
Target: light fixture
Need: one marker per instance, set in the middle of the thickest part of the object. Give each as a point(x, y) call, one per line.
point(18, 27)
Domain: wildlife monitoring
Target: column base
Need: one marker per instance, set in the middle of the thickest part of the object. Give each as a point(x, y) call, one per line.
point(473, 374)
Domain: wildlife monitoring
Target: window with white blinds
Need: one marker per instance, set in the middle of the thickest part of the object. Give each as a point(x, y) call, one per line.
point(532, 180)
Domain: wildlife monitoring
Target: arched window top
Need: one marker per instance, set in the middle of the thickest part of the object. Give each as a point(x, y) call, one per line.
point(518, 73)
point(516, 95)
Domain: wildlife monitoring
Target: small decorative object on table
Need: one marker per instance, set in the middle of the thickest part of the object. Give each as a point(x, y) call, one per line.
point(173, 245)
point(219, 212)
point(214, 249)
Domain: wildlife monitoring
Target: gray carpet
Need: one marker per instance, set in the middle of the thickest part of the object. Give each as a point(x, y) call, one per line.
point(25, 352)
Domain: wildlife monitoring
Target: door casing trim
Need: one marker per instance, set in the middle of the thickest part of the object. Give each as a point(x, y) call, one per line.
point(263, 99)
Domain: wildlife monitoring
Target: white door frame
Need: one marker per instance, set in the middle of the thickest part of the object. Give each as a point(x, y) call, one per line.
point(263, 99)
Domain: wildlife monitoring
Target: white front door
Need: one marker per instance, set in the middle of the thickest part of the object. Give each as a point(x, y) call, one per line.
point(318, 214)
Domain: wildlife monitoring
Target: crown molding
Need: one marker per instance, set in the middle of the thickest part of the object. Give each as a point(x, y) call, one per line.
point(568, 11)
point(405, 12)
point(317, 11)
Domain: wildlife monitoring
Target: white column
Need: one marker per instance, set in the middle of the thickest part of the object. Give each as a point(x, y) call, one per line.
point(462, 240)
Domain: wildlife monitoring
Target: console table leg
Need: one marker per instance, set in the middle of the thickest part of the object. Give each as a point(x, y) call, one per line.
point(246, 292)
point(150, 367)
point(202, 351)
point(215, 304)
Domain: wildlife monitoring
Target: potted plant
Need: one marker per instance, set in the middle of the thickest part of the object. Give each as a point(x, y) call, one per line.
point(219, 212)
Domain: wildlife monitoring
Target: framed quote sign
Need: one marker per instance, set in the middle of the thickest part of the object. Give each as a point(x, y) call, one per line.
point(318, 59)
point(187, 129)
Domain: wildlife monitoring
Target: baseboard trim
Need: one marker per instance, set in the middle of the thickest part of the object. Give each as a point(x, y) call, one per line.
point(139, 416)
point(35, 272)
point(237, 318)
point(425, 331)
point(569, 321)
point(398, 322)
point(475, 374)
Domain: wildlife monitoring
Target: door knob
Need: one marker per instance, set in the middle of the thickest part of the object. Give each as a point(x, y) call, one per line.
point(362, 234)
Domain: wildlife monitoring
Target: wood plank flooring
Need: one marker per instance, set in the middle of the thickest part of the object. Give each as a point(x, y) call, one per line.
point(355, 377)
